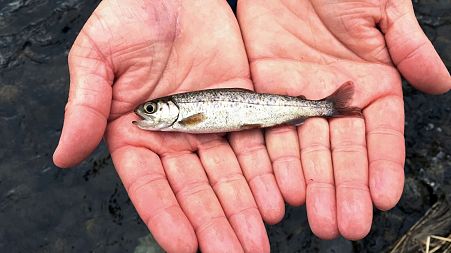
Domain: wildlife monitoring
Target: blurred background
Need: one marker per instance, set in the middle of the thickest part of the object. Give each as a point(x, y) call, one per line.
point(86, 209)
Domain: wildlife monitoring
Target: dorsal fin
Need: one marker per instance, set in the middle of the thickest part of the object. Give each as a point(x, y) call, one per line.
point(236, 89)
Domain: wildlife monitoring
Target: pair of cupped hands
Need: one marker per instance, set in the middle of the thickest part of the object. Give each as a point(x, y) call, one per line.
point(216, 191)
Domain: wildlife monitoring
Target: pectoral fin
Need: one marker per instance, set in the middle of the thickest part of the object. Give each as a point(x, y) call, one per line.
point(193, 119)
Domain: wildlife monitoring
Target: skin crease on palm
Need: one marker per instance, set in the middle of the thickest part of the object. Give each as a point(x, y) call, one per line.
point(212, 191)
point(310, 48)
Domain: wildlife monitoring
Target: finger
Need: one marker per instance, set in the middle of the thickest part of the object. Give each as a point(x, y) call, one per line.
point(233, 192)
point(317, 165)
point(283, 149)
point(349, 156)
point(199, 202)
point(254, 160)
point(88, 106)
point(142, 175)
point(386, 150)
point(411, 50)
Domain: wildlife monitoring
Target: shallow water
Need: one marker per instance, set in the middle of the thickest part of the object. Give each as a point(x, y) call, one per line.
point(86, 209)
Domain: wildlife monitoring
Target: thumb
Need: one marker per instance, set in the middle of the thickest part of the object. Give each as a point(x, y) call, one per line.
point(411, 51)
point(88, 106)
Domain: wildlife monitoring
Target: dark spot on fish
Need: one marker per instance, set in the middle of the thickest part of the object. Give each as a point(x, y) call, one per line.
point(193, 119)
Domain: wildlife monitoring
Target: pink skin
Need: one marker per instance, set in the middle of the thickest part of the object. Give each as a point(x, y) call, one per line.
point(211, 192)
point(345, 165)
point(191, 191)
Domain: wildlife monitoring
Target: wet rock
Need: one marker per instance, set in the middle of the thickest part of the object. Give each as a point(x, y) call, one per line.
point(9, 95)
point(148, 245)
point(87, 209)
point(435, 222)
point(443, 43)
point(434, 13)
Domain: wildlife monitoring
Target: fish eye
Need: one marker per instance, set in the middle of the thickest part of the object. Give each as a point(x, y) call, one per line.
point(150, 108)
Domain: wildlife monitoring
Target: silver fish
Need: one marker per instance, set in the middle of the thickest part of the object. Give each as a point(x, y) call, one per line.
point(235, 109)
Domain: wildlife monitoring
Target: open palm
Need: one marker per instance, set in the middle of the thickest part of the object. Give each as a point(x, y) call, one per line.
point(211, 191)
point(342, 166)
point(188, 189)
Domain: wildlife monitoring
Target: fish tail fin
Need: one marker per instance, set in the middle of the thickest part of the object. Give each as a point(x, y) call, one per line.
point(340, 100)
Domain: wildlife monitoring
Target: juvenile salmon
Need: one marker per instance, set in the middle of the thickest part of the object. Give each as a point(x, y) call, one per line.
point(234, 109)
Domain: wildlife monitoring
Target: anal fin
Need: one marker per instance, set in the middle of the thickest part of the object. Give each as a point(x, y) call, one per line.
point(295, 122)
point(302, 97)
point(250, 126)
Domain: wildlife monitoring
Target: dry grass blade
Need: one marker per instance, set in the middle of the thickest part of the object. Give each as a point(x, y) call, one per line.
point(444, 244)
point(432, 233)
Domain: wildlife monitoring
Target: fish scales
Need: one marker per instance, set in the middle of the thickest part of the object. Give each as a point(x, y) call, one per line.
point(241, 96)
point(234, 109)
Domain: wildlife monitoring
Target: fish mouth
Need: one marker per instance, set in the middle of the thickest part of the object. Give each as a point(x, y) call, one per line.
point(145, 124)
point(140, 123)
point(139, 114)
point(136, 111)
point(137, 122)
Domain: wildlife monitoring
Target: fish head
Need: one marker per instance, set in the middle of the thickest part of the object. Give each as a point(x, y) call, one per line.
point(156, 114)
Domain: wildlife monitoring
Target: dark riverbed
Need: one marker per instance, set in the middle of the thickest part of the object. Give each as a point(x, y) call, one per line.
point(86, 209)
